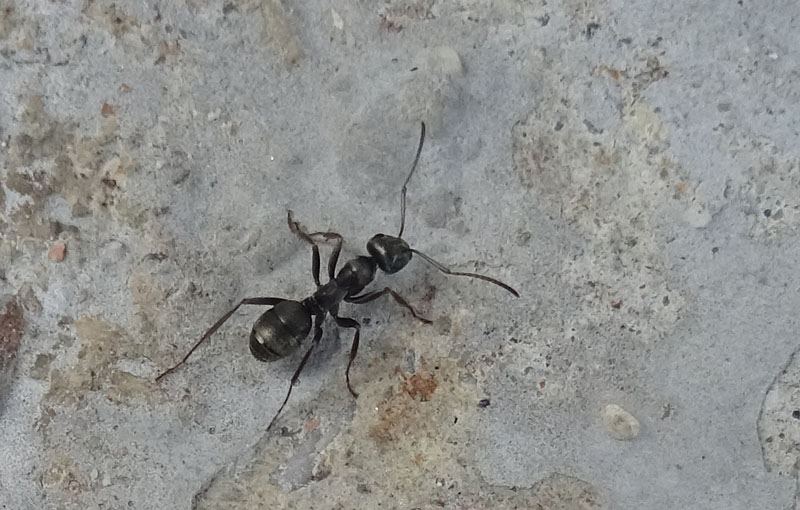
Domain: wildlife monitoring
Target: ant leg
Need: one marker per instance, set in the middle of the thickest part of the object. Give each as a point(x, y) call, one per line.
point(348, 323)
point(296, 376)
point(337, 249)
point(264, 301)
point(372, 296)
point(297, 229)
point(445, 270)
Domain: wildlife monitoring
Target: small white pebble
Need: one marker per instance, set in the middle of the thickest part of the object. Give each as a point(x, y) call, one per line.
point(94, 474)
point(106, 480)
point(337, 20)
point(619, 423)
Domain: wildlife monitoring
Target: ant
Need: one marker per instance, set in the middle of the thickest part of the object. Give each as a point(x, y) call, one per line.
point(279, 331)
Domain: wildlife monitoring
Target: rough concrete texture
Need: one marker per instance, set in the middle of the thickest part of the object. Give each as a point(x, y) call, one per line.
point(633, 168)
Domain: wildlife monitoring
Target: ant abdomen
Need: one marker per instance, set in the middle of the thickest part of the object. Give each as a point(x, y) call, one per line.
point(279, 331)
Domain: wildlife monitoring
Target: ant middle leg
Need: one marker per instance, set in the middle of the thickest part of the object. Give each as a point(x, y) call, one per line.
point(317, 336)
point(372, 296)
point(346, 322)
point(264, 301)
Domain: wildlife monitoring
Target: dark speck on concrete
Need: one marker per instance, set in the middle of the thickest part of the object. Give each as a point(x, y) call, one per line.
point(592, 128)
point(591, 29)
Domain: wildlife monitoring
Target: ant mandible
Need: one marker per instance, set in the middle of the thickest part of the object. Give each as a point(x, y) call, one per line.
point(279, 331)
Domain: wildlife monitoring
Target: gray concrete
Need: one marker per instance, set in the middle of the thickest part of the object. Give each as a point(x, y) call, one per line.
point(631, 167)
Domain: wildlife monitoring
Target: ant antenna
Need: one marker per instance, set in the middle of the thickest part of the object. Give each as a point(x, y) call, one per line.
point(405, 184)
point(471, 275)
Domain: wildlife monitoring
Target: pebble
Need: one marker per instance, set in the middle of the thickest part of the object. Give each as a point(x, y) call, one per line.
point(619, 423)
point(311, 424)
point(57, 251)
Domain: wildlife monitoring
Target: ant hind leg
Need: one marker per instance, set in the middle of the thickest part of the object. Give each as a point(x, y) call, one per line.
point(296, 376)
point(264, 301)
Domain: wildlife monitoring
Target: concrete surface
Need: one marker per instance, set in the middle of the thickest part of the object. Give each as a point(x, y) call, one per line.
point(633, 168)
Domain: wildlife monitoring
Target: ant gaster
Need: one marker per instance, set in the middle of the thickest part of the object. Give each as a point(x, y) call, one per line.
point(279, 331)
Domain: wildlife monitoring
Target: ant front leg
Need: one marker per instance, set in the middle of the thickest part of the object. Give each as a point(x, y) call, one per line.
point(264, 301)
point(297, 229)
point(337, 249)
point(345, 322)
point(372, 296)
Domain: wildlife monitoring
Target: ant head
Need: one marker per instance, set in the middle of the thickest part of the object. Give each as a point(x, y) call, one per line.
point(390, 253)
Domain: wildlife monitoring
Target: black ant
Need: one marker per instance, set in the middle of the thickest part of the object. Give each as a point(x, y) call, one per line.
point(279, 331)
